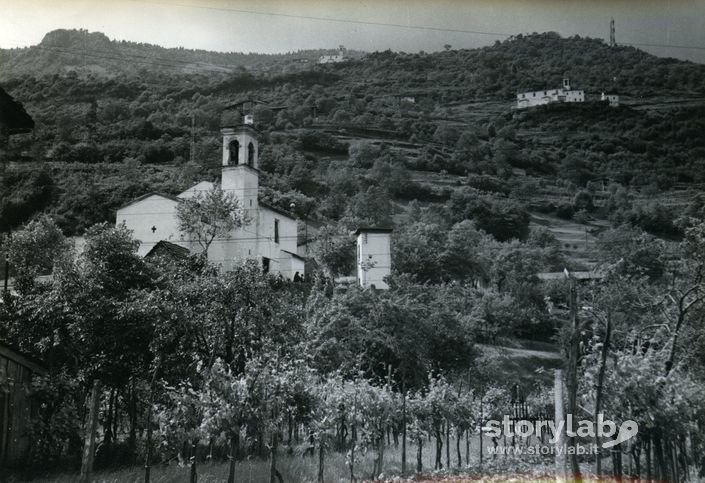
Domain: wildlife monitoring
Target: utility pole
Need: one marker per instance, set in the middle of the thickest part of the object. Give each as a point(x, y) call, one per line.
point(7, 261)
point(91, 426)
point(7, 270)
point(559, 419)
point(193, 138)
point(573, 356)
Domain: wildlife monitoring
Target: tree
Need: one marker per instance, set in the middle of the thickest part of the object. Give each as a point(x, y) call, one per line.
point(372, 208)
point(88, 324)
point(207, 216)
point(465, 257)
point(35, 250)
point(446, 134)
point(417, 250)
point(637, 253)
point(502, 218)
point(336, 249)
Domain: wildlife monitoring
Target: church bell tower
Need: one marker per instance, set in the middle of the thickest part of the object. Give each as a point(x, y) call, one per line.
point(240, 175)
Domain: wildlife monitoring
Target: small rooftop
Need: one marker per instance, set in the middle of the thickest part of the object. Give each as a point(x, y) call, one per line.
point(372, 230)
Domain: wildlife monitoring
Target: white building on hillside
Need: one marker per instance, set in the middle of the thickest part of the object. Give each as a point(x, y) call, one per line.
point(374, 257)
point(611, 99)
point(271, 236)
point(539, 98)
point(332, 59)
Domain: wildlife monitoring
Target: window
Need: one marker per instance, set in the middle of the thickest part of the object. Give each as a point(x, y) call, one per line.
point(251, 154)
point(276, 231)
point(265, 265)
point(234, 148)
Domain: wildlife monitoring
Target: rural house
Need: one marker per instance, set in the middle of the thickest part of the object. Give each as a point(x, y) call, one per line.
point(539, 98)
point(374, 257)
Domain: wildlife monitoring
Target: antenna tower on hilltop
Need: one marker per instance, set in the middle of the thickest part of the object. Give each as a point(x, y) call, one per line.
point(613, 42)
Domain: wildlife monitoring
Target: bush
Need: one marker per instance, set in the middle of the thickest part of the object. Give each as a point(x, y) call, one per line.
point(502, 218)
point(583, 201)
point(489, 184)
point(565, 211)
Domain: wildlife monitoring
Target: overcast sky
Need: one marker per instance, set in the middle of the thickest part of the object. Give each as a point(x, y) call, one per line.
point(410, 25)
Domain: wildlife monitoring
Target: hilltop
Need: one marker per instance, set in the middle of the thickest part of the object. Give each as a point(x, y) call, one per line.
point(92, 53)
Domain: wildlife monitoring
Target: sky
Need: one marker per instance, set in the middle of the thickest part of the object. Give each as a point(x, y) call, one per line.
point(674, 28)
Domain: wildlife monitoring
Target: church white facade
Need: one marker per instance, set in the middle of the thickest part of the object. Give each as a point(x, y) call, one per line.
point(270, 237)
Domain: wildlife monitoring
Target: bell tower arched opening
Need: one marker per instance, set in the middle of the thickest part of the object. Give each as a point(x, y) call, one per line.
point(234, 149)
point(251, 155)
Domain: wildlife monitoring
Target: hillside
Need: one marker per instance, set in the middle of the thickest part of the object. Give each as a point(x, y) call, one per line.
point(93, 53)
point(126, 128)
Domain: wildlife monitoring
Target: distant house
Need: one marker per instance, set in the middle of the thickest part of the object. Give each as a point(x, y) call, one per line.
point(374, 257)
point(16, 373)
point(611, 99)
point(332, 59)
point(539, 98)
point(271, 237)
point(407, 100)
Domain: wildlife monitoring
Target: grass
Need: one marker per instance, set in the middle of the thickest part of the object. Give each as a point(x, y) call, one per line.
point(297, 468)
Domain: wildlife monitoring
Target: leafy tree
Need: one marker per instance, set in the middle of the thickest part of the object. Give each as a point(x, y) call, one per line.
point(207, 216)
point(502, 218)
point(637, 252)
point(417, 250)
point(446, 134)
point(370, 208)
point(335, 249)
point(35, 250)
point(465, 255)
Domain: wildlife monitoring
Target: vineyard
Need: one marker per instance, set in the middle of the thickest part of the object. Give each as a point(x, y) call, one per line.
point(194, 372)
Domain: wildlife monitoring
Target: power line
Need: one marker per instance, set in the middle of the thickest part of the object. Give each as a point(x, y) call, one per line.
point(390, 24)
point(665, 46)
point(330, 19)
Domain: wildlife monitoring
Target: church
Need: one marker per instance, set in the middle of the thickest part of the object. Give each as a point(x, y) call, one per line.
point(270, 237)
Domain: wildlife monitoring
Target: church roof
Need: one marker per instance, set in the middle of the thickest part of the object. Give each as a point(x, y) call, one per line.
point(193, 190)
point(295, 255)
point(277, 210)
point(145, 196)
